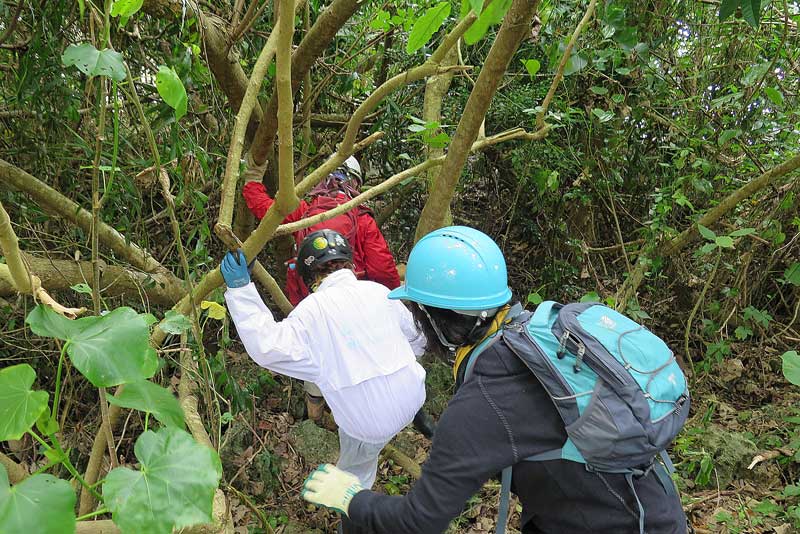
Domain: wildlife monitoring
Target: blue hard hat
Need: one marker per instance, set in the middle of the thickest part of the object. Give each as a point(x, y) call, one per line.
point(456, 268)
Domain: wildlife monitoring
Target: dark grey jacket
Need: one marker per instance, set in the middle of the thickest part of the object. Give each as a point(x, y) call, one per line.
point(499, 416)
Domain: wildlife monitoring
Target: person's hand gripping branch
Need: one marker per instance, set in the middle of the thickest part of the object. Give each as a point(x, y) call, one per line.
point(331, 487)
point(235, 270)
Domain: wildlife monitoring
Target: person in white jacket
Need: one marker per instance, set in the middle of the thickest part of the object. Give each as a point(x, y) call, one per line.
point(347, 337)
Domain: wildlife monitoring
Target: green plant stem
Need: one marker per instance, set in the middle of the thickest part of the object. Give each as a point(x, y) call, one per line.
point(115, 148)
point(101, 511)
point(39, 439)
point(163, 180)
point(696, 307)
point(71, 468)
point(57, 394)
point(146, 420)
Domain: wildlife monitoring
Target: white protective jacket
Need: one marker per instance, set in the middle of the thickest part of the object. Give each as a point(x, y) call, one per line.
point(358, 346)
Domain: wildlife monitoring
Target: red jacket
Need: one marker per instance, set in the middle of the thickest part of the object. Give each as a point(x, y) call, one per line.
point(371, 256)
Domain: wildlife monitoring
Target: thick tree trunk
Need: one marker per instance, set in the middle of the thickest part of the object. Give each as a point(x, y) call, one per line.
point(61, 274)
point(515, 27)
point(313, 44)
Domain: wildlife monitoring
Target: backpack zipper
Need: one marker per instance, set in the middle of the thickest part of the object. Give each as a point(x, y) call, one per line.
point(580, 352)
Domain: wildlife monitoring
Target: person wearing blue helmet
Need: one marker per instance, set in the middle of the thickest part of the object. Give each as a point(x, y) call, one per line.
point(499, 416)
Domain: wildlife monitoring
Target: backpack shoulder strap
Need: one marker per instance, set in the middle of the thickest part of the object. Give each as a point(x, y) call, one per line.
point(515, 314)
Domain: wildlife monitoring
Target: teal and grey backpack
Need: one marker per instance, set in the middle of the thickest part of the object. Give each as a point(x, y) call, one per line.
point(621, 394)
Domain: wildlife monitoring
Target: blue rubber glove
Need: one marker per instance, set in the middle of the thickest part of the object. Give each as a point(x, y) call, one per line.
point(235, 270)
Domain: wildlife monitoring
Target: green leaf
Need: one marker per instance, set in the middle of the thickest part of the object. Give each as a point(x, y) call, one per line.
point(758, 316)
point(598, 90)
point(108, 350)
point(591, 296)
point(767, 507)
point(751, 12)
point(706, 232)
point(428, 24)
point(175, 323)
point(174, 488)
point(535, 298)
point(792, 274)
point(741, 232)
point(476, 5)
point(126, 8)
point(727, 8)
point(146, 396)
point(603, 115)
point(93, 62)
point(171, 89)
point(492, 15)
point(46, 424)
point(791, 491)
point(532, 66)
point(775, 96)
point(708, 247)
point(575, 63)
point(40, 504)
point(791, 367)
point(82, 288)
point(724, 241)
point(727, 135)
point(19, 406)
point(743, 332)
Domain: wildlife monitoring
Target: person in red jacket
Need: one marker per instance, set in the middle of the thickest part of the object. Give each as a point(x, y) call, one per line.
point(371, 255)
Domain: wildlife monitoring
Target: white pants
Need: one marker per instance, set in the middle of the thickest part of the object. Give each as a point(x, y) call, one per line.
point(359, 458)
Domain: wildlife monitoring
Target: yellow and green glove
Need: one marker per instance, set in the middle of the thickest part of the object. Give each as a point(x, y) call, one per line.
point(331, 487)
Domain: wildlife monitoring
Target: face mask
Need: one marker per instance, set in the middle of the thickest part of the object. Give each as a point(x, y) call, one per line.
point(455, 334)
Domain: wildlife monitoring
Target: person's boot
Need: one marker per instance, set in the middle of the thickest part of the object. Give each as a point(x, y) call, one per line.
point(424, 423)
point(315, 407)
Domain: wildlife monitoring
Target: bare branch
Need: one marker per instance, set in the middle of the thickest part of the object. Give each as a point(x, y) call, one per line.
point(563, 63)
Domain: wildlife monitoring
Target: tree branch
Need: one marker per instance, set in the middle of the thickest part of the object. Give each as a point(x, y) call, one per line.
point(283, 78)
point(515, 27)
point(24, 280)
point(55, 203)
point(249, 101)
point(563, 63)
point(631, 285)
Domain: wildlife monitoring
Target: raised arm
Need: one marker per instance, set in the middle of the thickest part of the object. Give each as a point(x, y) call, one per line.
point(278, 346)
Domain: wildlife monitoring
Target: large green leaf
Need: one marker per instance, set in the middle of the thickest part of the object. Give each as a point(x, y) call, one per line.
point(171, 89)
point(792, 274)
point(791, 367)
point(492, 15)
point(174, 487)
point(126, 8)
point(426, 26)
point(94, 62)
point(40, 504)
point(108, 350)
point(174, 323)
point(19, 406)
point(149, 397)
point(727, 8)
point(751, 12)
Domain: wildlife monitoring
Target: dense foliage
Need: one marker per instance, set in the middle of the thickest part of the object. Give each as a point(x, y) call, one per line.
point(659, 176)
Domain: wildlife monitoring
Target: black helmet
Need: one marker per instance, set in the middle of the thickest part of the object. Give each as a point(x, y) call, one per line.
point(318, 248)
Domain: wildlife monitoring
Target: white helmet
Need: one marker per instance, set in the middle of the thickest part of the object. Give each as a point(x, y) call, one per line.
point(352, 168)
